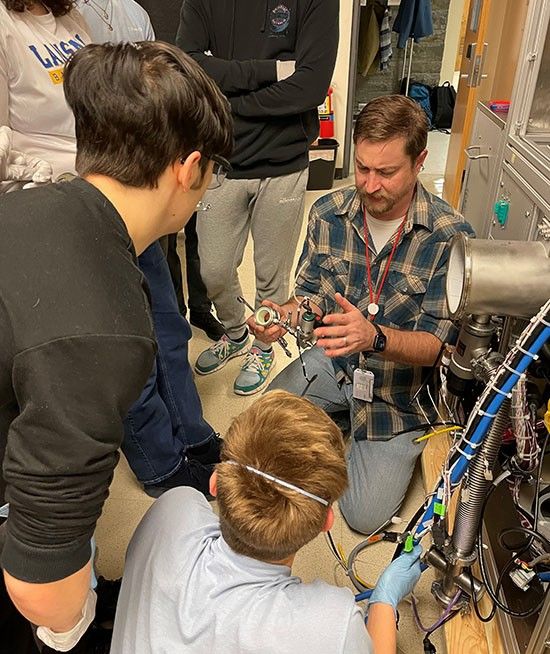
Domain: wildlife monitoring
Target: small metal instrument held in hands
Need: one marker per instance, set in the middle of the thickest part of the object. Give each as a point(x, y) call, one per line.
point(303, 332)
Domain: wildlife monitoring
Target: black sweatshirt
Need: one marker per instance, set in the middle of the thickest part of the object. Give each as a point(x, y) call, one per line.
point(274, 121)
point(76, 348)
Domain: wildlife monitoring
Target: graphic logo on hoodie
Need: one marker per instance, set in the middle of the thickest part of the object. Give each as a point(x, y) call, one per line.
point(280, 19)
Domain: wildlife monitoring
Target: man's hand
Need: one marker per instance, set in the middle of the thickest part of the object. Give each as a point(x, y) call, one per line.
point(347, 333)
point(272, 333)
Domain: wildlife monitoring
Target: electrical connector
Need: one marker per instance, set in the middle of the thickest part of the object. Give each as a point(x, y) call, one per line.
point(440, 509)
point(409, 544)
point(392, 536)
point(522, 578)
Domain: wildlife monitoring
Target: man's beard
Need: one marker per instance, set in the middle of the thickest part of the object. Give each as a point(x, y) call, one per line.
point(379, 204)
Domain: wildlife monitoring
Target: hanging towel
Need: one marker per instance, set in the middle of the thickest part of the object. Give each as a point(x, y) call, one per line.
point(385, 41)
point(413, 20)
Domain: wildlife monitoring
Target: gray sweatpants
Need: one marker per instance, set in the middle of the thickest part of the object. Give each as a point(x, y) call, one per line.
point(379, 472)
point(271, 210)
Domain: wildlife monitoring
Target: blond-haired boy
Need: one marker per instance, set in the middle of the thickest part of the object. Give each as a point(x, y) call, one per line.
point(196, 583)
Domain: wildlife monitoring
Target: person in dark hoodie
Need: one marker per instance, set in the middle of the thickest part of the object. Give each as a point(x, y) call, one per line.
point(274, 60)
point(76, 333)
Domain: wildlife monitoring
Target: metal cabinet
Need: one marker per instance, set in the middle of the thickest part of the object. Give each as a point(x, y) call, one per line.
point(523, 189)
point(506, 196)
point(483, 166)
point(530, 118)
point(518, 225)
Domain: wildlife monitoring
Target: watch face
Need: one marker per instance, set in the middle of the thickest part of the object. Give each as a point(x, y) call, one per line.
point(379, 344)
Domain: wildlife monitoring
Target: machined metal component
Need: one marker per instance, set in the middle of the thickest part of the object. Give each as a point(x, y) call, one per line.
point(460, 578)
point(307, 324)
point(504, 278)
point(266, 316)
point(484, 367)
point(303, 332)
point(522, 578)
point(472, 343)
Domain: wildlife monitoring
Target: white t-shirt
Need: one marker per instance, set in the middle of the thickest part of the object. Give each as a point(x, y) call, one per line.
point(129, 21)
point(380, 231)
point(33, 51)
point(185, 590)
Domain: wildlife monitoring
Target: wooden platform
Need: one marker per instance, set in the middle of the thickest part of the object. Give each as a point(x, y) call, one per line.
point(463, 634)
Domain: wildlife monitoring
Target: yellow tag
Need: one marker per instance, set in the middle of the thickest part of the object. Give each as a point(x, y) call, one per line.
point(56, 75)
point(547, 417)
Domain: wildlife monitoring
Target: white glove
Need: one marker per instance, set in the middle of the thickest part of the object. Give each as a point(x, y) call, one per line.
point(285, 69)
point(63, 642)
point(16, 166)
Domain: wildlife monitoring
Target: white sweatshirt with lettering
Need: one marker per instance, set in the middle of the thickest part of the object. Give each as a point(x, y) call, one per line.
point(33, 51)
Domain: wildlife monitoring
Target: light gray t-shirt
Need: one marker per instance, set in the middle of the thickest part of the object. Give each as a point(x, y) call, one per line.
point(117, 21)
point(185, 590)
point(380, 231)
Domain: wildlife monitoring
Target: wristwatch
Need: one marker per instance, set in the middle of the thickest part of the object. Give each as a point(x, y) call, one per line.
point(380, 339)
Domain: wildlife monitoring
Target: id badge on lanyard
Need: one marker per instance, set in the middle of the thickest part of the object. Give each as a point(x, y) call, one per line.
point(363, 384)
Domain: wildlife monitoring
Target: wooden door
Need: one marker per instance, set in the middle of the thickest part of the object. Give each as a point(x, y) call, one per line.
point(473, 50)
point(490, 52)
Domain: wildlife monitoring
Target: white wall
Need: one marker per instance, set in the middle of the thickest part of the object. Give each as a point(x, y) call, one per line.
point(340, 77)
point(452, 36)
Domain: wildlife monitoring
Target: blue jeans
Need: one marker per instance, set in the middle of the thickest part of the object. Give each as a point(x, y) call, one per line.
point(379, 472)
point(167, 418)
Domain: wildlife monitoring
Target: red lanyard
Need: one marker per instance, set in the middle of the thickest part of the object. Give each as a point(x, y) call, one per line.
point(374, 294)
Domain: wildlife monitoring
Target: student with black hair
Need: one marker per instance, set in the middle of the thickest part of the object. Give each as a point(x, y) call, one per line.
point(76, 336)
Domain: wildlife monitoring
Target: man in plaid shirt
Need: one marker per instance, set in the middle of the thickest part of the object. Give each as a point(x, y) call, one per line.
point(374, 266)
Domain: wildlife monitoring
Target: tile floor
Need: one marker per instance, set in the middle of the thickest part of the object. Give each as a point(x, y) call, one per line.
point(127, 502)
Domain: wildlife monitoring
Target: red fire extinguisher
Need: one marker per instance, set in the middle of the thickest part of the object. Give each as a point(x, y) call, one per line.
point(326, 117)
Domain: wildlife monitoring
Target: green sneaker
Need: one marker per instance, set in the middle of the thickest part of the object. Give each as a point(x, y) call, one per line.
point(255, 371)
point(217, 355)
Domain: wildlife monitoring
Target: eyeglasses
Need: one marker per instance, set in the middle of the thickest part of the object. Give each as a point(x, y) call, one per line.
point(219, 171)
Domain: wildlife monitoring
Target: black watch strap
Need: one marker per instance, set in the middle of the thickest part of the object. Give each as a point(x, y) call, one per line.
point(380, 340)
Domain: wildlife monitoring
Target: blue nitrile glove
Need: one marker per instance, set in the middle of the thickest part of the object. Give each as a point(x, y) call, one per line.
point(398, 579)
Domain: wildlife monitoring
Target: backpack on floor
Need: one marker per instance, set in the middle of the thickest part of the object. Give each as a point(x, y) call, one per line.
point(443, 104)
point(420, 93)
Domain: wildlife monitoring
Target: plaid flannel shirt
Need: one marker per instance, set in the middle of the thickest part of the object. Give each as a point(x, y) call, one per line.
point(413, 296)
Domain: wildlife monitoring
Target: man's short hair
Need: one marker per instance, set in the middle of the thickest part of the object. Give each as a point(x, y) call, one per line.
point(140, 107)
point(57, 7)
point(290, 438)
point(390, 117)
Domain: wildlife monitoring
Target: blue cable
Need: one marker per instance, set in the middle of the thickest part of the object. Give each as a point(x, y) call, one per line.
point(364, 595)
point(485, 422)
point(477, 437)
